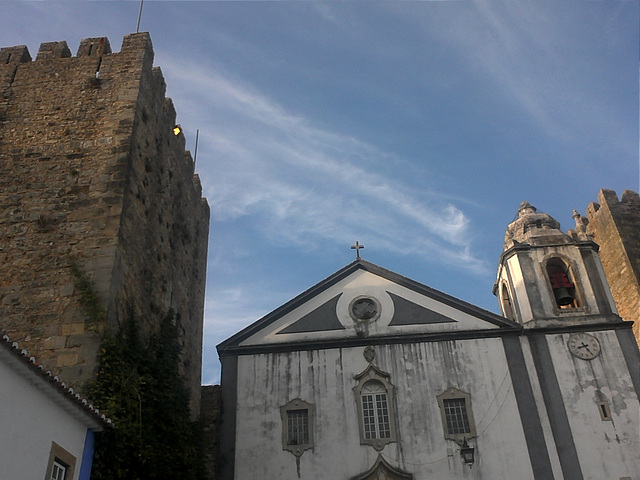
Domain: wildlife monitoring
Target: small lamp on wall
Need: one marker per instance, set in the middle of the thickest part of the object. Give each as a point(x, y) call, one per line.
point(467, 453)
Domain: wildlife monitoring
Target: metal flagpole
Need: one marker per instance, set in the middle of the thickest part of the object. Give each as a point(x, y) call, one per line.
point(139, 15)
point(195, 151)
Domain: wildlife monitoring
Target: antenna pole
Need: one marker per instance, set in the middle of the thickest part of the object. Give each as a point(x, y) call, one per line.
point(195, 150)
point(139, 15)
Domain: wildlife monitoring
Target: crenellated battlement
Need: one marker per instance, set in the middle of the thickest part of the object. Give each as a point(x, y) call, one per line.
point(614, 224)
point(13, 55)
point(57, 55)
point(629, 200)
point(92, 175)
point(94, 47)
point(89, 47)
point(51, 50)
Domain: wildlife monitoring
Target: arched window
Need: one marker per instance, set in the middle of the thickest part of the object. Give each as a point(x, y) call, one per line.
point(507, 307)
point(562, 284)
point(374, 401)
point(375, 410)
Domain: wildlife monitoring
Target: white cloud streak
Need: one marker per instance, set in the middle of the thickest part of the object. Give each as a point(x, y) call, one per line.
point(304, 184)
point(524, 48)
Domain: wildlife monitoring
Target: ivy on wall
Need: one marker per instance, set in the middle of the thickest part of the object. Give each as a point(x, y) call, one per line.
point(139, 386)
point(89, 299)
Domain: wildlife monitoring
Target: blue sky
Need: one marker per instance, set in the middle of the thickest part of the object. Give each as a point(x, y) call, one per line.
point(415, 128)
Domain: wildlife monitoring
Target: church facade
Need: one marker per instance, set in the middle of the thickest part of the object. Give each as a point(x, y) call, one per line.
point(371, 375)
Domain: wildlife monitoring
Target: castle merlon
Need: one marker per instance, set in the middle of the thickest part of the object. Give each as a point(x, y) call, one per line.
point(93, 48)
point(13, 55)
point(50, 50)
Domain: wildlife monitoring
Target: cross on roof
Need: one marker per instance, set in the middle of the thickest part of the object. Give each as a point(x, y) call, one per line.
point(357, 248)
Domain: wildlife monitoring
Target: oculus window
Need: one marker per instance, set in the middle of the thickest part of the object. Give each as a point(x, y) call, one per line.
point(364, 309)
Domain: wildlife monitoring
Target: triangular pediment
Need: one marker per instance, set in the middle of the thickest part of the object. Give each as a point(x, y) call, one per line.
point(364, 301)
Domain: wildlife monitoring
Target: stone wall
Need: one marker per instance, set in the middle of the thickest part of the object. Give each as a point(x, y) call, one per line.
point(91, 173)
point(210, 419)
point(615, 226)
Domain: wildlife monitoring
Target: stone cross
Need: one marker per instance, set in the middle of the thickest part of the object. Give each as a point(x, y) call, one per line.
point(357, 248)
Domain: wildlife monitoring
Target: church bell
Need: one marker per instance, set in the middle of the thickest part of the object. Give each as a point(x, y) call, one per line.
point(560, 284)
point(563, 297)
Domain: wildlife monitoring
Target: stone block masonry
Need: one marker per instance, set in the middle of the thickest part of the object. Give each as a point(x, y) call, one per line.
point(91, 173)
point(615, 226)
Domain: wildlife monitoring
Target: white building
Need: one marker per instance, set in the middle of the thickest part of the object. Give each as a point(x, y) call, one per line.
point(46, 431)
point(370, 375)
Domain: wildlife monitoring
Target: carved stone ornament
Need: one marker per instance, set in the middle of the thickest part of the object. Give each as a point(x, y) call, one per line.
point(369, 354)
point(383, 470)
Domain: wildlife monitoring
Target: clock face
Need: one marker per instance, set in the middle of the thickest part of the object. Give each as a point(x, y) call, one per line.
point(584, 346)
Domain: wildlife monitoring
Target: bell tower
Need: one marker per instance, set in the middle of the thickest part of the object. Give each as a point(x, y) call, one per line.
point(549, 278)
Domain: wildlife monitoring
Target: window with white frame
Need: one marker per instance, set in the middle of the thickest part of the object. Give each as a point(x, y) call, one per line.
point(457, 416)
point(375, 405)
point(59, 470)
point(61, 463)
point(297, 426)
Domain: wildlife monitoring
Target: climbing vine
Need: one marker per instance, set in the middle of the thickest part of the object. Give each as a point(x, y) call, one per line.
point(139, 386)
point(88, 298)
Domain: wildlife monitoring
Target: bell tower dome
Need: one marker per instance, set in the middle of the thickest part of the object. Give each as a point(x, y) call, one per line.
point(547, 277)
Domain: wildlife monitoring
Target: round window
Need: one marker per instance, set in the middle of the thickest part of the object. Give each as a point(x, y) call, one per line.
point(364, 309)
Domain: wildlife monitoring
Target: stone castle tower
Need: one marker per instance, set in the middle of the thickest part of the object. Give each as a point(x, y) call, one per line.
point(93, 175)
point(615, 226)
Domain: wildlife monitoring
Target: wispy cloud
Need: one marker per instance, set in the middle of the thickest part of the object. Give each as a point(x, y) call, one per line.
point(305, 184)
point(540, 59)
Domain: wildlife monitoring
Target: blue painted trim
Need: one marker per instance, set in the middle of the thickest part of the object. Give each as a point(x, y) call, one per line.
point(87, 455)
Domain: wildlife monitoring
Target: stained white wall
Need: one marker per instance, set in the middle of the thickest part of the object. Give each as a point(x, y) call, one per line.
point(419, 372)
point(29, 422)
point(606, 449)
